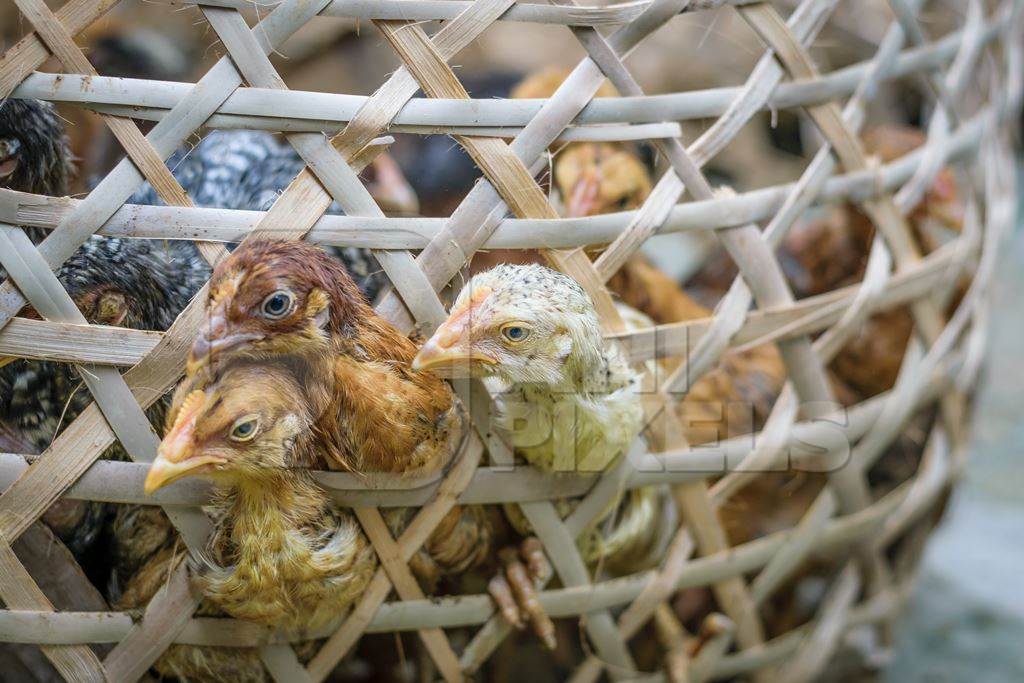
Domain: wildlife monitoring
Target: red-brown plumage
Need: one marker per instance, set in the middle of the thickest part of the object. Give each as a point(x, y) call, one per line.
point(258, 268)
point(372, 412)
point(377, 415)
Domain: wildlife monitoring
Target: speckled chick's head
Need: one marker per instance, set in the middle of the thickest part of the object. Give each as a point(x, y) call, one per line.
point(140, 284)
point(521, 323)
point(244, 422)
point(34, 154)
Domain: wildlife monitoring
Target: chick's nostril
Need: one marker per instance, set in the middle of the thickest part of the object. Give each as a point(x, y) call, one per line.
point(200, 347)
point(218, 326)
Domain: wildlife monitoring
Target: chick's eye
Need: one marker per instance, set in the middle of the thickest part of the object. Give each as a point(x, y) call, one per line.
point(244, 429)
point(278, 304)
point(515, 333)
point(622, 204)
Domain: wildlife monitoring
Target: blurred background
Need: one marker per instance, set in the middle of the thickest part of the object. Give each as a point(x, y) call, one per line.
point(966, 621)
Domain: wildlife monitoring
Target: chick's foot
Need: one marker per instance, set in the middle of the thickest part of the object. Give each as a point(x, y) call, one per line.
point(523, 571)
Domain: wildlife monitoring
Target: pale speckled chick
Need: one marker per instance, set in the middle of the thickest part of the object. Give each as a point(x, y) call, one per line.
point(565, 401)
point(534, 332)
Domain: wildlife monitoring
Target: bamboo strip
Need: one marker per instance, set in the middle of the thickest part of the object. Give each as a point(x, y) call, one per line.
point(166, 615)
point(408, 589)
point(20, 592)
point(228, 225)
point(415, 534)
point(453, 612)
point(263, 108)
point(445, 10)
point(811, 657)
point(122, 482)
point(30, 52)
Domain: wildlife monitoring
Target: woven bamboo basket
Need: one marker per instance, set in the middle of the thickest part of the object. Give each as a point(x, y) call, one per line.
point(973, 73)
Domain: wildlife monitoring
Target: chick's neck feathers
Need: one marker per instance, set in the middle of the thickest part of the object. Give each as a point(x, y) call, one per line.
point(591, 416)
point(285, 556)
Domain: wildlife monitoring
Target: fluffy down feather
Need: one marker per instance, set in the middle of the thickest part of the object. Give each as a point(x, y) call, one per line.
point(281, 554)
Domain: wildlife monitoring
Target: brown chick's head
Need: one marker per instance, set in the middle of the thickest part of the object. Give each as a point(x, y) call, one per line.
point(595, 178)
point(522, 323)
point(243, 424)
point(274, 297)
point(942, 201)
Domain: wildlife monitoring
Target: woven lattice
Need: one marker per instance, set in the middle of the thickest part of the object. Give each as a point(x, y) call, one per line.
point(974, 75)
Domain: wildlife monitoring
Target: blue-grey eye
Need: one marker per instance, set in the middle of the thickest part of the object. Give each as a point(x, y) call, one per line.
point(278, 304)
point(515, 333)
point(244, 428)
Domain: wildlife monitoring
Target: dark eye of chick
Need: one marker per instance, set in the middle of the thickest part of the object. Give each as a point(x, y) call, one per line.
point(622, 204)
point(278, 304)
point(515, 333)
point(244, 429)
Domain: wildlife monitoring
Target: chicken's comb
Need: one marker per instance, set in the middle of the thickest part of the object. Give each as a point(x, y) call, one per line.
point(177, 442)
point(190, 406)
point(476, 296)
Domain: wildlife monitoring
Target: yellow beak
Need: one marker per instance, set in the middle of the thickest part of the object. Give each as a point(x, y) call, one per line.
point(175, 457)
point(452, 362)
point(7, 360)
point(449, 352)
point(165, 471)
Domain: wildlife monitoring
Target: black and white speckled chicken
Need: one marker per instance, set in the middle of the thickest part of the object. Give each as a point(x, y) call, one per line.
point(130, 283)
point(34, 155)
point(34, 152)
point(248, 170)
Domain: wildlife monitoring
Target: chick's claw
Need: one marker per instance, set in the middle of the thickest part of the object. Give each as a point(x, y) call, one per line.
point(502, 594)
point(537, 562)
point(514, 589)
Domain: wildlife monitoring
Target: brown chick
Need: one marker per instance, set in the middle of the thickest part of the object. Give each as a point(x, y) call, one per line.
point(594, 178)
point(822, 255)
point(826, 254)
point(292, 303)
point(281, 553)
